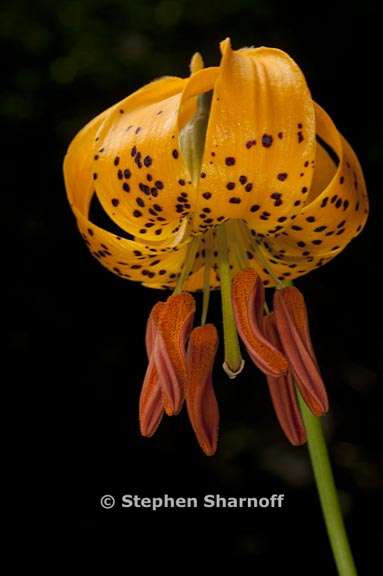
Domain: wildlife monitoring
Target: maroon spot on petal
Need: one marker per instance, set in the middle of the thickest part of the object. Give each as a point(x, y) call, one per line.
point(267, 140)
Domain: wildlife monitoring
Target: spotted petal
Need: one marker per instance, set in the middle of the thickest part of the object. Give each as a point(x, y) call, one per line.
point(169, 351)
point(149, 261)
point(283, 394)
point(248, 300)
point(326, 217)
point(201, 402)
point(260, 132)
point(291, 320)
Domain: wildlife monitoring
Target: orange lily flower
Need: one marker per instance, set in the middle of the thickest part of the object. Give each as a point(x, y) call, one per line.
point(233, 172)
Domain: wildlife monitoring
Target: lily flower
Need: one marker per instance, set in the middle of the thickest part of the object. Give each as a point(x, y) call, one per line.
point(231, 173)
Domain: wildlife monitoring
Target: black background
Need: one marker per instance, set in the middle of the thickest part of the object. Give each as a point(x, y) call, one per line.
point(76, 332)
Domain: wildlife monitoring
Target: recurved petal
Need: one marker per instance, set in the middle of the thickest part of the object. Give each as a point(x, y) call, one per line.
point(148, 263)
point(201, 402)
point(169, 352)
point(327, 216)
point(337, 206)
point(78, 164)
point(133, 163)
point(261, 131)
point(283, 394)
point(292, 323)
point(151, 407)
point(248, 300)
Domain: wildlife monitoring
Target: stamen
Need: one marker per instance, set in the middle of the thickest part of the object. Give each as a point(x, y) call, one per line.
point(261, 259)
point(201, 402)
point(236, 243)
point(206, 276)
point(292, 323)
point(169, 351)
point(234, 362)
point(248, 299)
point(187, 266)
point(151, 405)
point(282, 392)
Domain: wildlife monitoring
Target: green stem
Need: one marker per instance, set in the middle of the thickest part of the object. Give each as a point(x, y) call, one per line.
point(233, 359)
point(327, 492)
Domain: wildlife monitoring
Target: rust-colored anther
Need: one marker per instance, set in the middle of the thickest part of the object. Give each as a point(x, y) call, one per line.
point(248, 301)
point(282, 394)
point(292, 323)
point(151, 405)
point(201, 402)
point(169, 351)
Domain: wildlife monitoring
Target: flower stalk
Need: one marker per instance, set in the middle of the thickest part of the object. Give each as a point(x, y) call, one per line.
point(327, 491)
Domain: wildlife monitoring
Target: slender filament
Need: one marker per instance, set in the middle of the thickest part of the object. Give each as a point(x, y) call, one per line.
point(188, 265)
point(206, 276)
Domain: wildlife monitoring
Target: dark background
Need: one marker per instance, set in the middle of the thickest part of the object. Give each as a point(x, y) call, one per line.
point(76, 332)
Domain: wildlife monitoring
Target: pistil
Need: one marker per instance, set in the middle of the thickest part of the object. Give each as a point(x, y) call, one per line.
point(234, 362)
